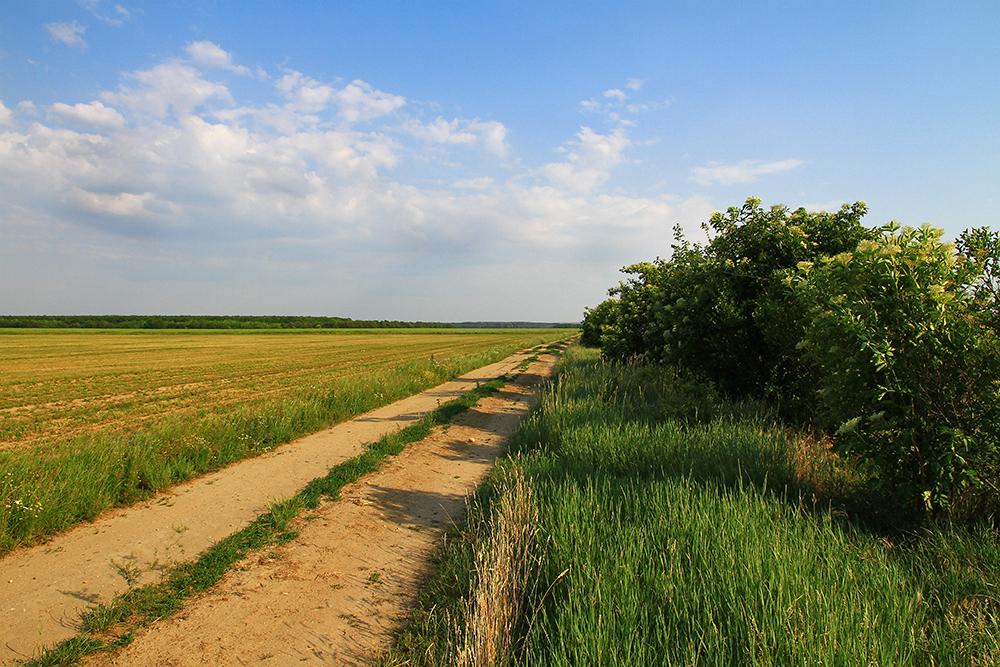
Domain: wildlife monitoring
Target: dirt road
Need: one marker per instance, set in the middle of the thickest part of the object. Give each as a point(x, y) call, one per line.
point(334, 594)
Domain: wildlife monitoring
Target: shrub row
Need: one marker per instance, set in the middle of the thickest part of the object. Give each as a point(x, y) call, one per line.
point(887, 338)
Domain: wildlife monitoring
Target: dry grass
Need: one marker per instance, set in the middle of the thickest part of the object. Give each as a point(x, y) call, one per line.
point(503, 566)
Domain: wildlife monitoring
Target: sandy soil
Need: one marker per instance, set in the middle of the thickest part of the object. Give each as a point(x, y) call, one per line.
point(334, 594)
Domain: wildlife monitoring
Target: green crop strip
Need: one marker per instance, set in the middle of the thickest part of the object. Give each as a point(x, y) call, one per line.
point(112, 625)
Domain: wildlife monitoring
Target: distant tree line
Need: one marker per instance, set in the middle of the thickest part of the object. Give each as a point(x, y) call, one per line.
point(204, 322)
point(517, 325)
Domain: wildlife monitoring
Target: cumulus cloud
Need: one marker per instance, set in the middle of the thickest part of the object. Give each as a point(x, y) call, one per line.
point(589, 160)
point(746, 171)
point(121, 204)
point(212, 55)
point(94, 115)
point(165, 87)
point(359, 101)
point(190, 182)
point(70, 34)
point(488, 135)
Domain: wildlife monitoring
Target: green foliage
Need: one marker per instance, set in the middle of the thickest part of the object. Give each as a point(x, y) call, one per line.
point(594, 321)
point(981, 248)
point(908, 374)
point(205, 322)
point(662, 542)
point(902, 335)
point(721, 309)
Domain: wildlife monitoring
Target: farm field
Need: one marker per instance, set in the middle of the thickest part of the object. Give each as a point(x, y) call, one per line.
point(95, 419)
point(56, 384)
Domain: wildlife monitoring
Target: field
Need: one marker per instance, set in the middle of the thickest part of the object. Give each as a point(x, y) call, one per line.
point(57, 384)
point(94, 419)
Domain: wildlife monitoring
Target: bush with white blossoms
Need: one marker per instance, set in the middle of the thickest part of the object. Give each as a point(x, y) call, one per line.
point(909, 375)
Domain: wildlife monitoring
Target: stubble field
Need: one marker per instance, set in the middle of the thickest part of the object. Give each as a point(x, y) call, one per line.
point(94, 419)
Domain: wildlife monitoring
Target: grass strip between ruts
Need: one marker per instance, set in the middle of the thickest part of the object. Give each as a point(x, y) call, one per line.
point(113, 625)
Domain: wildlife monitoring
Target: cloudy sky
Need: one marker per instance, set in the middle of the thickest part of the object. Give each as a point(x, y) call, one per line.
point(458, 161)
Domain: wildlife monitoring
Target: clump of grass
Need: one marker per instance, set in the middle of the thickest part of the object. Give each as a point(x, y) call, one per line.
point(496, 601)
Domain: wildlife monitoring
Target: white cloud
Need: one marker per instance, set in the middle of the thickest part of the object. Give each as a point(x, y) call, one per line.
point(488, 135)
point(615, 101)
point(212, 55)
point(830, 206)
point(359, 101)
point(121, 204)
point(589, 160)
point(94, 114)
point(481, 183)
point(196, 201)
point(168, 86)
point(70, 34)
point(746, 171)
point(115, 17)
point(6, 115)
point(305, 94)
point(27, 107)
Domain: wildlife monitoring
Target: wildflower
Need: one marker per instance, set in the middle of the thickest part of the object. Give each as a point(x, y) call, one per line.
point(849, 426)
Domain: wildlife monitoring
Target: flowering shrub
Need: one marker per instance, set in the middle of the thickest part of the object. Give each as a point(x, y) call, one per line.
point(908, 373)
point(720, 310)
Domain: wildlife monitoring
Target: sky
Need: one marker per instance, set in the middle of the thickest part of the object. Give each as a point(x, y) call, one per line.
point(456, 161)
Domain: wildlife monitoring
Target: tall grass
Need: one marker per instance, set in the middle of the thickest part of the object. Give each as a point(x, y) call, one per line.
point(679, 539)
point(48, 488)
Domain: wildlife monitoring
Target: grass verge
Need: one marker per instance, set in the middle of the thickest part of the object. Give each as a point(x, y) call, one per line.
point(112, 625)
point(703, 537)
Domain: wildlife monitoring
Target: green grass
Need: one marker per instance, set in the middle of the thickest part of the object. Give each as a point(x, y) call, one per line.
point(112, 625)
point(674, 539)
point(49, 487)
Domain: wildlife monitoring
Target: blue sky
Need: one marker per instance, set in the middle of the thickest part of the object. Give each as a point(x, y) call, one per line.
point(459, 160)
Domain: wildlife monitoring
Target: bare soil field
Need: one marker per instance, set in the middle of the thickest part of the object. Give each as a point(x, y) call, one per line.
point(335, 593)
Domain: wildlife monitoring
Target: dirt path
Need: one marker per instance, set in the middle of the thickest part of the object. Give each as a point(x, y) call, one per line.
point(333, 594)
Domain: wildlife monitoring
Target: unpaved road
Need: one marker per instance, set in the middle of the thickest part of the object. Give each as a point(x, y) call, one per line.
point(334, 594)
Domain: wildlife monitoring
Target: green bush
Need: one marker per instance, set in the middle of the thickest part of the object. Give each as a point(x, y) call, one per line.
point(594, 321)
point(908, 371)
point(721, 310)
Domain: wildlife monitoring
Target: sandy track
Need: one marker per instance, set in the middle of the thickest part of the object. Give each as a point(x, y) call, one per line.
point(333, 594)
